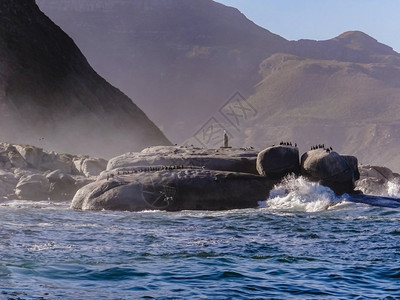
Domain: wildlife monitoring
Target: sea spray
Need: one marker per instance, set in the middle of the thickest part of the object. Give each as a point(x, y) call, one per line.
point(376, 187)
point(300, 194)
point(393, 188)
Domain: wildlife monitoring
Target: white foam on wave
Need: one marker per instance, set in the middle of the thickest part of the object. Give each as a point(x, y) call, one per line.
point(372, 186)
point(393, 188)
point(44, 204)
point(299, 194)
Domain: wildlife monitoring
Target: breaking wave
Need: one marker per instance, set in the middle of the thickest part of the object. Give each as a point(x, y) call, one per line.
point(299, 194)
point(393, 188)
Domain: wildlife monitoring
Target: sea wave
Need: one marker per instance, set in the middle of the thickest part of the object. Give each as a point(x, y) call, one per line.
point(299, 194)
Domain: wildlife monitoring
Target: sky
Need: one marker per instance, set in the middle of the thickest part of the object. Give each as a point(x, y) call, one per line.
point(324, 19)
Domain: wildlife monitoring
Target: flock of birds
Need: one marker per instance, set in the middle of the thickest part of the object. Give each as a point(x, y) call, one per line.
point(151, 169)
point(288, 144)
point(319, 146)
point(322, 146)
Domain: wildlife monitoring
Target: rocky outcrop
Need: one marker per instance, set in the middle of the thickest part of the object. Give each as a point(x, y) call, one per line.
point(177, 189)
point(29, 173)
point(90, 166)
point(276, 162)
point(177, 178)
point(186, 177)
point(379, 181)
point(173, 178)
point(330, 169)
point(223, 159)
point(32, 187)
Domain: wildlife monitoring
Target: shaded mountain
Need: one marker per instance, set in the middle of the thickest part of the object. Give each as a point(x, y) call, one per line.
point(50, 95)
point(179, 59)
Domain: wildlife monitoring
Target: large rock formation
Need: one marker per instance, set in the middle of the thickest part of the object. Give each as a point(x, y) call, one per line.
point(177, 189)
point(223, 159)
point(276, 162)
point(380, 181)
point(330, 169)
point(135, 181)
point(177, 178)
point(49, 94)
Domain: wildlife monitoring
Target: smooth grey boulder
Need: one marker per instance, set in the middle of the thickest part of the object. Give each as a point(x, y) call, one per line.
point(224, 159)
point(276, 162)
point(32, 155)
point(54, 161)
point(62, 186)
point(173, 190)
point(353, 163)
point(5, 163)
point(33, 187)
point(90, 166)
point(7, 183)
point(380, 181)
point(330, 169)
point(16, 158)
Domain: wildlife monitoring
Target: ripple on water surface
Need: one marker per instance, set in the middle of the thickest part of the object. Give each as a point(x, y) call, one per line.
point(342, 251)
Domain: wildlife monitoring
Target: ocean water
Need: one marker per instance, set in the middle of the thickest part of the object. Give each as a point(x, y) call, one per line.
point(302, 243)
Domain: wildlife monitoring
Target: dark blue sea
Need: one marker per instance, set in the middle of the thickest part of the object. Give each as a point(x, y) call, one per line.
point(302, 243)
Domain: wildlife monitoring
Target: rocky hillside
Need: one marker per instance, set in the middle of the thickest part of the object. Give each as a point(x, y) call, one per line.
point(49, 94)
point(179, 59)
point(352, 106)
point(184, 59)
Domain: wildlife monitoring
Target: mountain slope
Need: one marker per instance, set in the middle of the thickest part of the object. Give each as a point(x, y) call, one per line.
point(353, 107)
point(49, 92)
point(351, 46)
point(185, 58)
point(179, 59)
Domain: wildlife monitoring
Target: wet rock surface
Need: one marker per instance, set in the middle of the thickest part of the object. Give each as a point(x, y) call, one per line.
point(276, 162)
point(378, 180)
point(330, 169)
point(223, 159)
point(186, 177)
point(174, 189)
point(179, 178)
